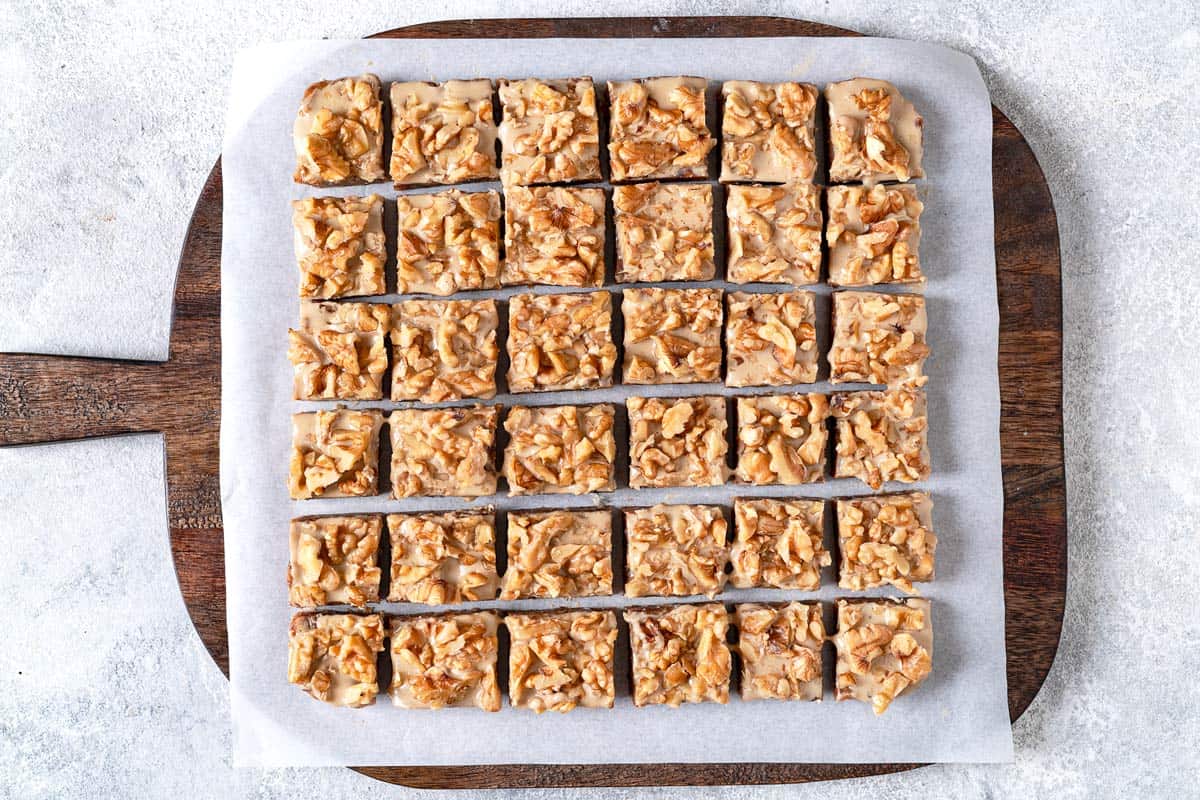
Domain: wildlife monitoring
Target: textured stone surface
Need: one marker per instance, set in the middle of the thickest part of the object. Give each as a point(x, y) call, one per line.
point(112, 118)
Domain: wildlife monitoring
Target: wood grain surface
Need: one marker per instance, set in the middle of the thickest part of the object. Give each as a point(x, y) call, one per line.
point(48, 399)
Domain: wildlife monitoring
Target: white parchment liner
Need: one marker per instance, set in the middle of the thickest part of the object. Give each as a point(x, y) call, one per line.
point(960, 713)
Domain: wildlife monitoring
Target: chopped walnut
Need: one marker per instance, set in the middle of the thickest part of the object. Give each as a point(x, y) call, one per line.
point(560, 450)
point(886, 539)
point(874, 132)
point(779, 544)
point(780, 646)
point(549, 132)
point(332, 657)
point(878, 338)
point(664, 232)
point(339, 352)
point(874, 235)
point(559, 342)
point(448, 242)
point(444, 350)
point(881, 436)
point(772, 339)
point(676, 441)
point(444, 451)
point(339, 244)
point(883, 649)
point(672, 335)
point(339, 133)
point(675, 551)
point(768, 132)
point(335, 454)
point(679, 654)
point(442, 558)
point(445, 661)
point(553, 235)
point(658, 129)
point(558, 554)
point(442, 132)
point(561, 659)
point(334, 560)
point(782, 439)
point(774, 234)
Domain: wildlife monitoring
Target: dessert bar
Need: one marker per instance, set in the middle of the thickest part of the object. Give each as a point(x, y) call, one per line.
point(444, 451)
point(664, 232)
point(874, 235)
point(560, 449)
point(335, 454)
point(442, 132)
point(561, 660)
point(884, 648)
point(778, 544)
point(679, 654)
point(332, 657)
point(334, 560)
point(443, 557)
point(672, 335)
point(444, 350)
point(774, 234)
point(675, 551)
point(339, 351)
point(881, 436)
point(875, 134)
point(558, 342)
point(676, 441)
point(448, 242)
point(558, 554)
point(549, 132)
point(339, 133)
point(771, 338)
point(445, 660)
point(886, 539)
point(553, 235)
point(339, 245)
point(782, 439)
point(768, 132)
point(780, 646)
point(657, 129)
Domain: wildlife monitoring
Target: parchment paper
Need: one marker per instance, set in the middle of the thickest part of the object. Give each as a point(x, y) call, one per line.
point(960, 713)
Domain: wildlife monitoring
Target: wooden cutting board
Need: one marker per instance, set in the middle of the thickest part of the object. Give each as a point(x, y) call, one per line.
point(50, 399)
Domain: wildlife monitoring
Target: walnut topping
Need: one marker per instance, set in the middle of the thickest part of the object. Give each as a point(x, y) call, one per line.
point(332, 657)
point(886, 539)
point(549, 132)
point(780, 646)
point(782, 438)
point(445, 660)
point(560, 660)
point(443, 558)
point(772, 339)
point(442, 132)
point(672, 335)
point(339, 245)
point(339, 351)
point(676, 441)
point(875, 133)
point(658, 129)
point(335, 454)
point(883, 649)
point(664, 232)
point(779, 544)
point(560, 341)
point(339, 133)
point(444, 350)
point(444, 451)
point(675, 551)
point(448, 242)
point(878, 338)
point(774, 234)
point(679, 654)
point(558, 554)
point(554, 235)
point(768, 132)
point(334, 560)
point(874, 235)
point(881, 436)
point(560, 450)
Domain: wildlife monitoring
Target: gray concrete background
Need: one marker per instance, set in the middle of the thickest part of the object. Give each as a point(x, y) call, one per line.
point(112, 116)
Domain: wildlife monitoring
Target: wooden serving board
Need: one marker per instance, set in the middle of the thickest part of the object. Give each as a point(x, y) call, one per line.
point(50, 399)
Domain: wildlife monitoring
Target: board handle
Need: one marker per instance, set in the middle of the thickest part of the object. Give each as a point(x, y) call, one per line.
point(60, 398)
